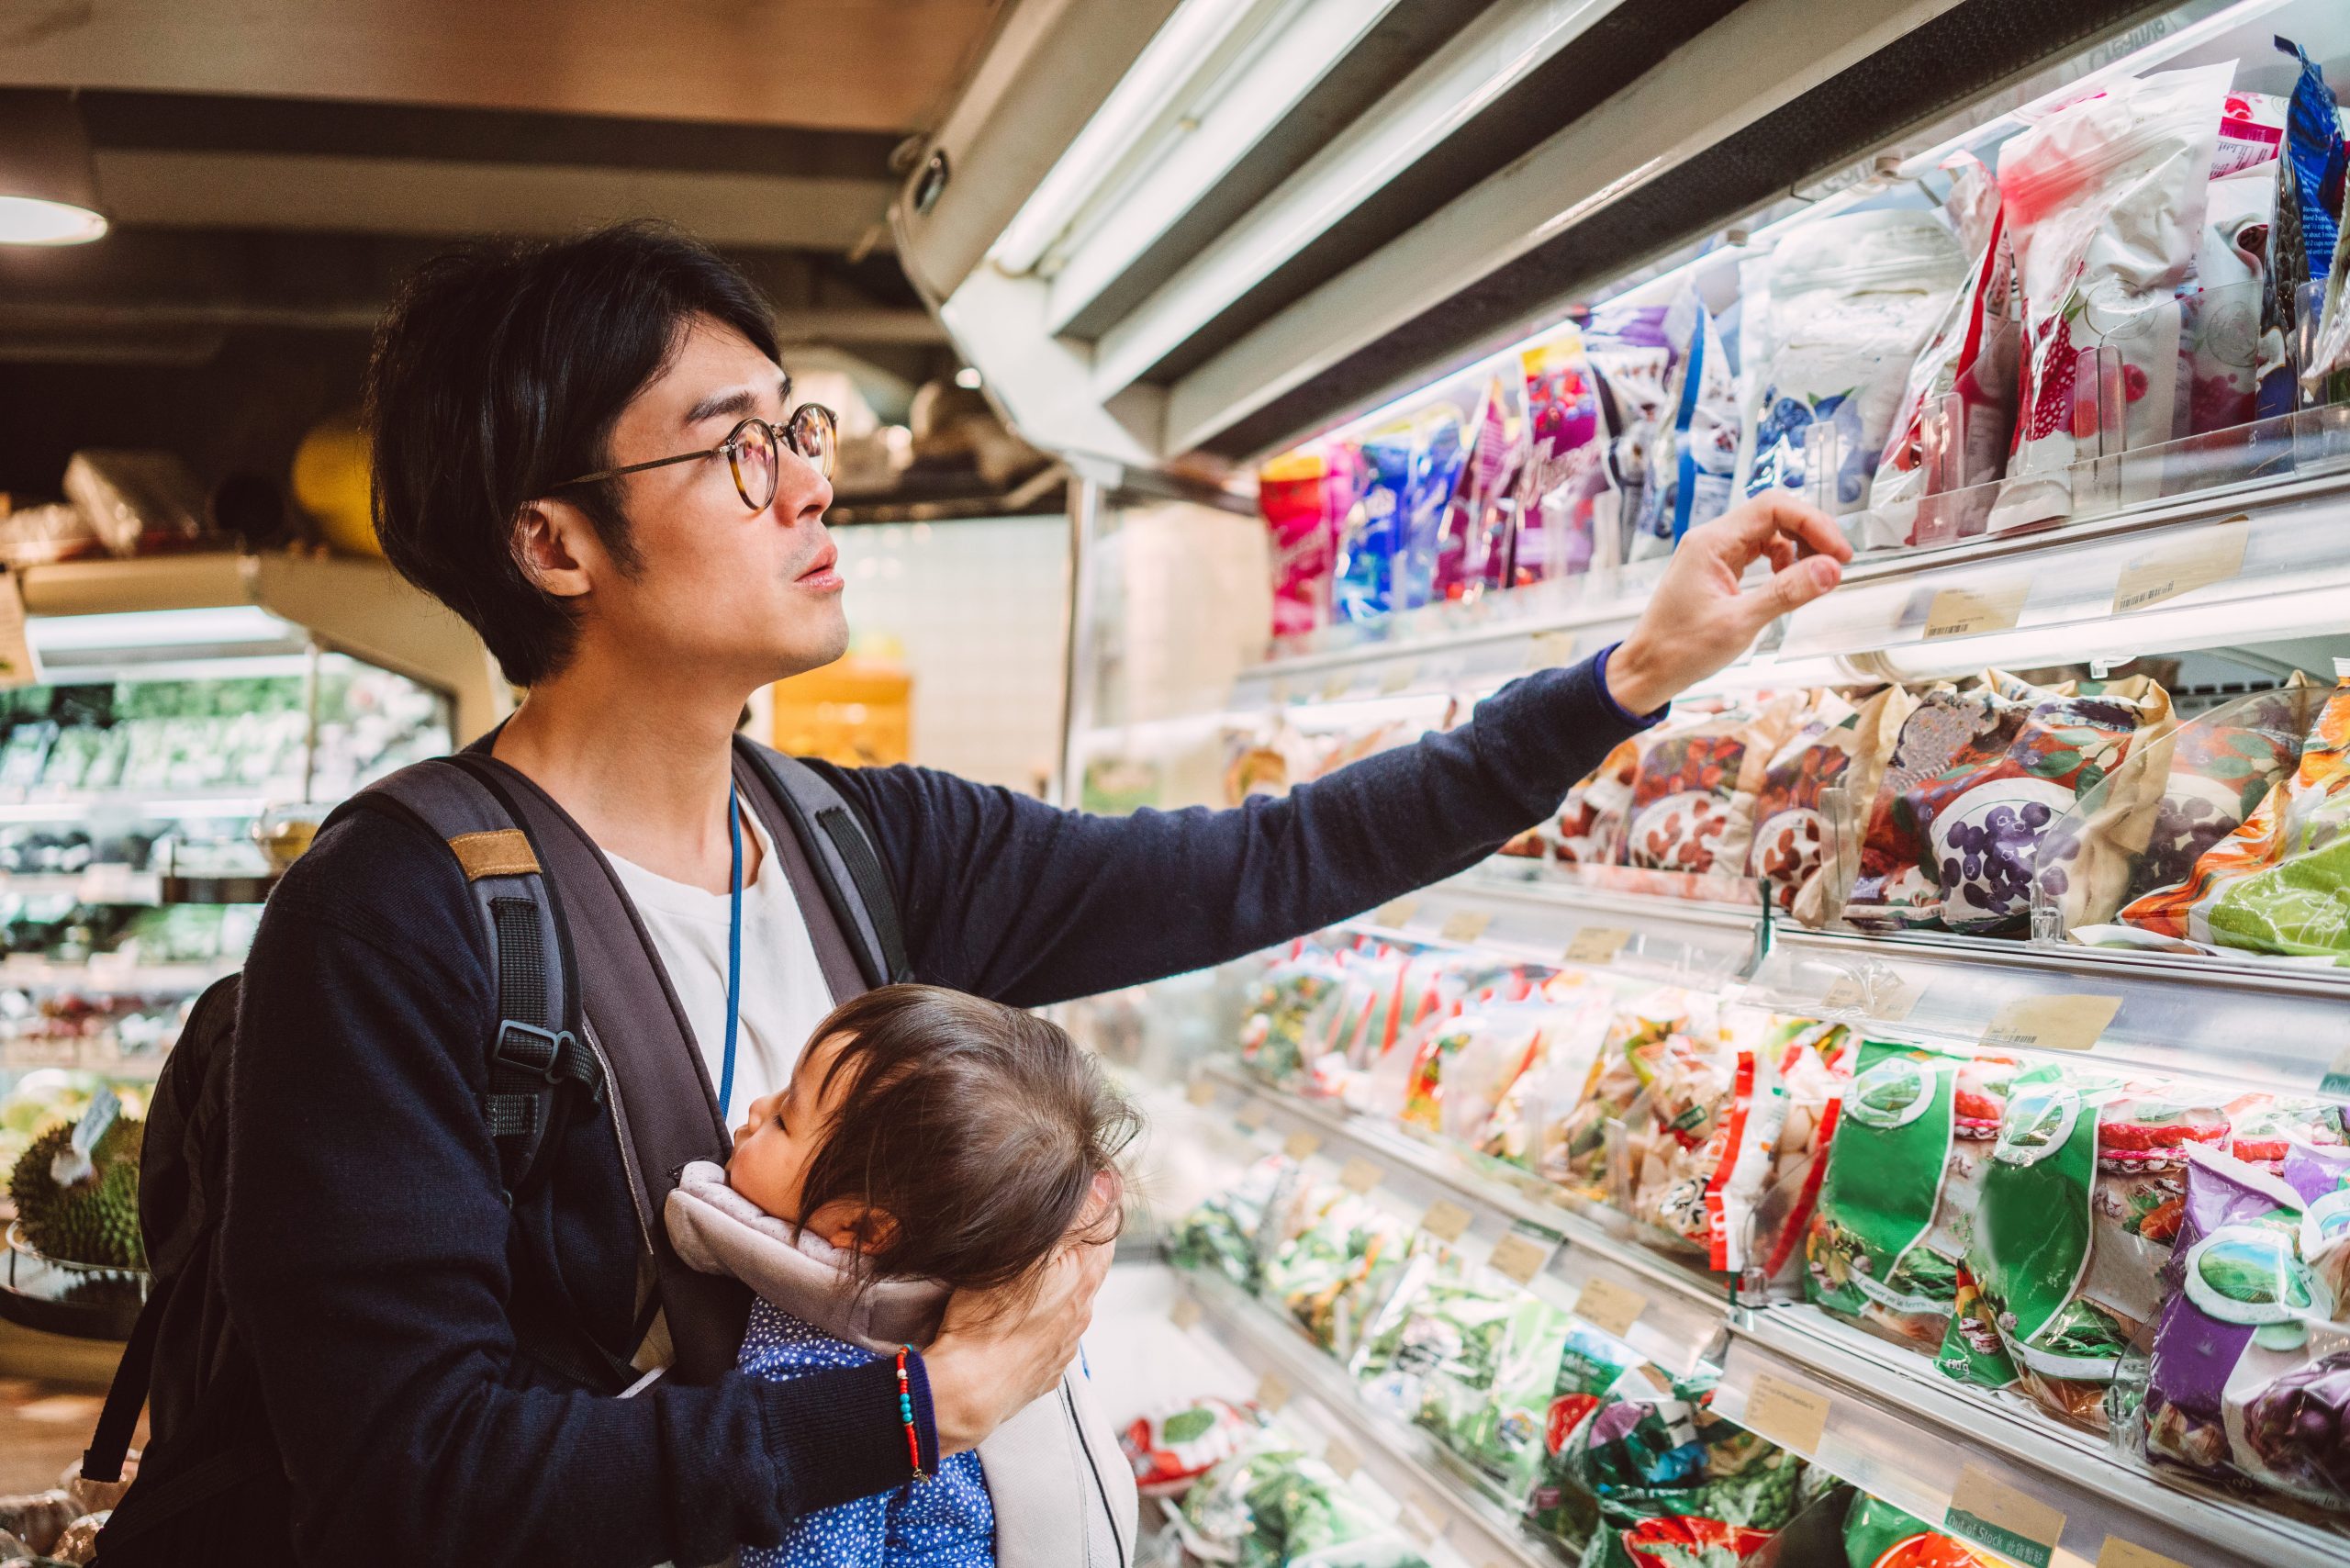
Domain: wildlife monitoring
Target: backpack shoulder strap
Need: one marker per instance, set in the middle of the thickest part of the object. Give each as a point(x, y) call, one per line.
point(535, 1049)
point(841, 852)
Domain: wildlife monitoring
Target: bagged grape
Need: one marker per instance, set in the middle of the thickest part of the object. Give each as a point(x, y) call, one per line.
point(1171, 1448)
point(2078, 1209)
point(2104, 202)
point(1976, 780)
point(1972, 354)
point(1835, 748)
point(1905, 1168)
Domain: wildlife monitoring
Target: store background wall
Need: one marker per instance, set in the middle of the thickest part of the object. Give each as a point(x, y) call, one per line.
point(979, 611)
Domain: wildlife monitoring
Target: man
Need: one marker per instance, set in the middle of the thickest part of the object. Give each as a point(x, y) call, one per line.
point(561, 455)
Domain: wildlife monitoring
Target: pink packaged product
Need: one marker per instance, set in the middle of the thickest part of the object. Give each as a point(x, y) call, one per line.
point(2106, 201)
point(1938, 446)
point(1302, 498)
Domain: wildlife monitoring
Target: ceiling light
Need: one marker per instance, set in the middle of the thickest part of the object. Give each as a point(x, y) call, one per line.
point(235, 625)
point(49, 194)
point(968, 378)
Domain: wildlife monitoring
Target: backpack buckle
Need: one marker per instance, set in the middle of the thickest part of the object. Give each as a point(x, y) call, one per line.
point(526, 1047)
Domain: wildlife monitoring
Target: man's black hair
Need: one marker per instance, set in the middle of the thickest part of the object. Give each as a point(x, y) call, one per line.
point(498, 373)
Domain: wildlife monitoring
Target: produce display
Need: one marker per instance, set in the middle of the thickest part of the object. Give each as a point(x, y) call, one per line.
point(2126, 269)
point(80, 1205)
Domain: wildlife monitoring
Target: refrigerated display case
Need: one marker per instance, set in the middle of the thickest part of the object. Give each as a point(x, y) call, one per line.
point(1245, 234)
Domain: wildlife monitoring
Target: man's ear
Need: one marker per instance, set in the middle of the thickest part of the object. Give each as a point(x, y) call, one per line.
point(555, 546)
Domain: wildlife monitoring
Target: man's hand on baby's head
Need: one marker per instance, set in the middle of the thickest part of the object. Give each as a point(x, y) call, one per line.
point(998, 1353)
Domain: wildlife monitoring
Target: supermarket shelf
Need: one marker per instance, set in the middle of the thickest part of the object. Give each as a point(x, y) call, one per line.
point(1441, 1495)
point(101, 972)
point(2270, 1026)
point(99, 884)
point(1877, 1416)
point(1670, 1312)
point(1498, 911)
point(239, 800)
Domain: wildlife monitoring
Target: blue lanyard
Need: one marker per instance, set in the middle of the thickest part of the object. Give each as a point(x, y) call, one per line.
point(734, 953)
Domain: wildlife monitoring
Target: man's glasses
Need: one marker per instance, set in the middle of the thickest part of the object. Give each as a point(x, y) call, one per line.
point(753, 451)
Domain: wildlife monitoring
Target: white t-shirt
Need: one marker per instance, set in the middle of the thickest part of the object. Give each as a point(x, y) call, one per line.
point(784, 994)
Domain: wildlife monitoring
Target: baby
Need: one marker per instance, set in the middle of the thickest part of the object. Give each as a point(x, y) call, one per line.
point(928, 1142)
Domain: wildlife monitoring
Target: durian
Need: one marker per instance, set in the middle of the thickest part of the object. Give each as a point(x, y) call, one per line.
point(92, 1221)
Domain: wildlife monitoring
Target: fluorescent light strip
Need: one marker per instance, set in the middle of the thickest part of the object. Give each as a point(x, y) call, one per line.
point(210, 627)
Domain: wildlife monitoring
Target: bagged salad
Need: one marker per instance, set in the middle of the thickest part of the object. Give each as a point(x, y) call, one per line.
point(1586, 1152)
point(1274, 1506)
point(1333, 1271)
point(1229, 1231)
point(1878, 1535)
point(1906, 1166)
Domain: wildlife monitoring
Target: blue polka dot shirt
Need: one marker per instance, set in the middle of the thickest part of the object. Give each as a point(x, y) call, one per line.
point(946, 1521)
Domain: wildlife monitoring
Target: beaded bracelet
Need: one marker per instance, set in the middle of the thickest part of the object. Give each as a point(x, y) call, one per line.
point(906, 1412)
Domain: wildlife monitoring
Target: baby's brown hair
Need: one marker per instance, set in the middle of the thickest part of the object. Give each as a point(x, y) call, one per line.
point(977, 1128)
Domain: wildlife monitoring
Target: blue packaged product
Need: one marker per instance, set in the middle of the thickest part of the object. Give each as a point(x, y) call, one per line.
point(1368, 544)
point(1437, 463)
point(2313, 142)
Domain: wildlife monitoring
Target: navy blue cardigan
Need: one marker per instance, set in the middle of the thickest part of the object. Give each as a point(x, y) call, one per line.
point(368, 1253)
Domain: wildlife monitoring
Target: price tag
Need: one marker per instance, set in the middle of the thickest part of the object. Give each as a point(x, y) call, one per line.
point(2214, 555)
point(1466, 924)
point(1251, 1115)
point(2050, 1022)
point(1446, 1220)
point(1792, 1415)
point(1273, 1393)
point(2337, 1076)
point(1610, 1307)
point(1596, 945)
point(1184, 1313)
point(1341, 1458)
point(1550, 649)
point(1418, 1520)
point(1201, 1093)
point(1300, 1145)
point(1338, 686)
point(1398, 915)
point(1398, 677)
point(1520, 1257)
point(1360, 1175)
point(1887, 1000)
point(2119, 1553)
point(1965, 612)
point(1989, 1512)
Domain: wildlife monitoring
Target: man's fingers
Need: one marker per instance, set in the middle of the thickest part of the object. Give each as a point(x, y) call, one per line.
point(1781, 550)
point(1778, 513)
point(1795, 587)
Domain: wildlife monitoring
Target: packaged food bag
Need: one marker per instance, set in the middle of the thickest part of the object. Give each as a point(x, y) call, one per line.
point(1372, 538)
point(1562, 408)
point(2280, 883)
point(1503, 1435)
point(1331, 1274)
point(1228, 1232)
point(1304, 497)
point(1292, 1022)
point(1694, 455)
point(1591, 822)
point(1911, 1143)
point(1546, 1092)
point(1976, 780)
point(1171, 1448)
point(1439, 457)
point(1834, 756)
point(1693, 801)
point(1576, 1153)
point(1667, 1483)
point(2079, 1206)
point(1878, 1535)
point(1626, 352)
point(2134, 840)
point(1971, 354)
point(1462, 1066)
point(1676, 1134)
point(1274, 1506)
point(1836, 317)
point(1436, 1345)
point(2104, 202)
point(1784, 1102)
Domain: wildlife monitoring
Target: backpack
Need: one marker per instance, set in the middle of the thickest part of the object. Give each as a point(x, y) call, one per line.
point(212, 1484)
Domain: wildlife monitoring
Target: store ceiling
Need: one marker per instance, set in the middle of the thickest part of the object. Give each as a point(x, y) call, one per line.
point(272, 168)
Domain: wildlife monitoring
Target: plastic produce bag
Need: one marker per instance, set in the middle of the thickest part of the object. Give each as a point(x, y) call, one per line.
point(1546, 1092)
point(1274, 1506)
point(1784, 1102)
point(1676, 1135)
point(1292, 1022)
point(1971, 355)
point(1836, 317)
point(1462, 1066)
point(1591, 822)
point(1576, 1153)
point(1223, 1232)
point(1693, 455)
point(1505, 1436)
point(1800, 852)
point(1170, 1448)
point(1976, 780)
point(1694, 795)
point(2078, 1208)
point(1443, 1345)
point(1331, 1274)
point(2106, 200)
point(1912, 1140)
point(1878, 1535)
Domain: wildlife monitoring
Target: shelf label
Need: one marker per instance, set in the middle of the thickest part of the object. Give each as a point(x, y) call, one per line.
point(1398, 915)
point(1792, 1415)
point(1341, 1458)
point(1596, 945)
point(1336, 689)
point(1550, 649)
point(1989, 1512)
point(1360, 1175)
point(1300, 1145)
point(1398, 677)
point(1609, 1307)
point(1885, 999)
point(2119, 1553)
point(1419, 1520)
point(2338, 1077)
point(1466, 924)
point(1184, 1313)
point(1202, 1092)
point(1965, 613)
point(1446, 1220)
point(1251, 1116)
point(2050, 1022)
point(2215, 555)
point(1273, 1393)
point(1520, 1257)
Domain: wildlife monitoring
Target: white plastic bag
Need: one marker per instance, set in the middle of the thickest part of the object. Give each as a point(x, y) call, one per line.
point(1693, 456)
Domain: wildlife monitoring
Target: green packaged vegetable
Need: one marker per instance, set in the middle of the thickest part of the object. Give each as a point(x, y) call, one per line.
point(1878, 1535)
point(1274, 1506)
point(1331, 1274)
point(1505, 1438)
